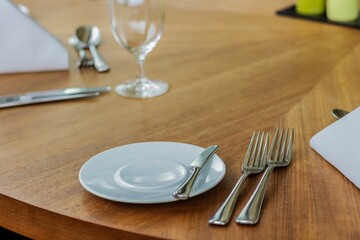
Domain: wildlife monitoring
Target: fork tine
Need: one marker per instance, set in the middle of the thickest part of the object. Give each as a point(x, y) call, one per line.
point(265, 149)
point(283, 146)
point(248, 152)
point(289, 149)
point(252, 159)
point(278, 144)
point(86, 64)
point(258, 154)
point(271, 150)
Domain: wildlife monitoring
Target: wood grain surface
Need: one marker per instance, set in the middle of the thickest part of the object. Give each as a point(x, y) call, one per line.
point(233, 67)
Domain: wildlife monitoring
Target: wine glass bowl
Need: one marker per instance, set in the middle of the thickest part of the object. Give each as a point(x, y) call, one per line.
point(137, 25)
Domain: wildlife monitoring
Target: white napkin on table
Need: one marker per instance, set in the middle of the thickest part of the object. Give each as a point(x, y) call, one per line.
point(339, 144)
point(25, 46)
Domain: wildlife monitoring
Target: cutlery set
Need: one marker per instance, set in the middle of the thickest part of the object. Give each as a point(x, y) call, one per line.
point(88, 37)
point(256, 159)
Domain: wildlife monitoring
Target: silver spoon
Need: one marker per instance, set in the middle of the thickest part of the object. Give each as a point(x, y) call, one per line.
point(89, 37)
point(339, 113)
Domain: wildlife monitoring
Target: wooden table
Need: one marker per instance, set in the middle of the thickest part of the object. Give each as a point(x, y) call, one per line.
point(234, 67)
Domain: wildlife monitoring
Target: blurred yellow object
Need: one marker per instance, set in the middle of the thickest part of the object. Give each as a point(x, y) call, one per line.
point(310, 7)
point(342, 10)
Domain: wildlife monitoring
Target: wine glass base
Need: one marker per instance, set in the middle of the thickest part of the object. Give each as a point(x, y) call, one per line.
point(142, 89)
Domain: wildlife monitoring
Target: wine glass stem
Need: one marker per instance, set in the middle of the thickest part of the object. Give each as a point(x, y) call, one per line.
point(141, 71)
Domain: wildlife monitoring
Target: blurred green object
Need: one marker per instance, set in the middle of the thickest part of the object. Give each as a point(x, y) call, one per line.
point(310, 7)
point(342, 10)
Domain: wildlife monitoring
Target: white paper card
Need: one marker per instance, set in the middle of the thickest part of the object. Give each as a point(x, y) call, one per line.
point(25, 46)
point(339, 144)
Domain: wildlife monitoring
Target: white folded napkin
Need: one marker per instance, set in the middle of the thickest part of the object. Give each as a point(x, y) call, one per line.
point(25, 46)
point(339, 144)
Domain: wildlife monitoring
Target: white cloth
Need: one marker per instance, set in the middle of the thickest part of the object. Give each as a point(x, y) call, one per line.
point(339, 144)
point(25, 46)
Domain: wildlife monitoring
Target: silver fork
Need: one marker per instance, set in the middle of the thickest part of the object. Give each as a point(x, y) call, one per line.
point(254, 162)
point(84, 59)
point(279, 156)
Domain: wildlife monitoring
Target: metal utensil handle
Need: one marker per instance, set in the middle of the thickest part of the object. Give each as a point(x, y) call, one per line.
point(251, 212)
point(80, 50)
point(27, 101)
point(223, 214)
point(73, 41)
point(99, 62)
point(67, 91)
point(183, 191)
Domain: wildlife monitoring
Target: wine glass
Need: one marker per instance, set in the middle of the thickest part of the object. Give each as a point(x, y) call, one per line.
point(138, 25)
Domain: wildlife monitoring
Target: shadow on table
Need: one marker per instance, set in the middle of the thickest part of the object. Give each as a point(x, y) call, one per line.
point(9, 235)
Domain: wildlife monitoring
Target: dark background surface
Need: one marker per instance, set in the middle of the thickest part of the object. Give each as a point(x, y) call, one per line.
point(9, 235)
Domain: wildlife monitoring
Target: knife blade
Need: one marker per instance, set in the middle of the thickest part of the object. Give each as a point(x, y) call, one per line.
point(52, 93)
point(183, 191)
point(26, 100)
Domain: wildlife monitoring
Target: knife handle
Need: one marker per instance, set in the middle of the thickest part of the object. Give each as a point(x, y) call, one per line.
point(183, 192)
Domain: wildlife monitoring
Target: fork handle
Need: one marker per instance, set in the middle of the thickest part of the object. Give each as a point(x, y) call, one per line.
point(81, 52)
point(223, 214)
point(251, 212)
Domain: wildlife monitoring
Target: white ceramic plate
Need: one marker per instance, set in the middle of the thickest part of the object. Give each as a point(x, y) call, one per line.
point(147, 172)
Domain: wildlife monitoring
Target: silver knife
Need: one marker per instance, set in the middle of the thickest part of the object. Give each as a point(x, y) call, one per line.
point(9, 100)
point(183, 191)
point(65, 91)
point(26, 100)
